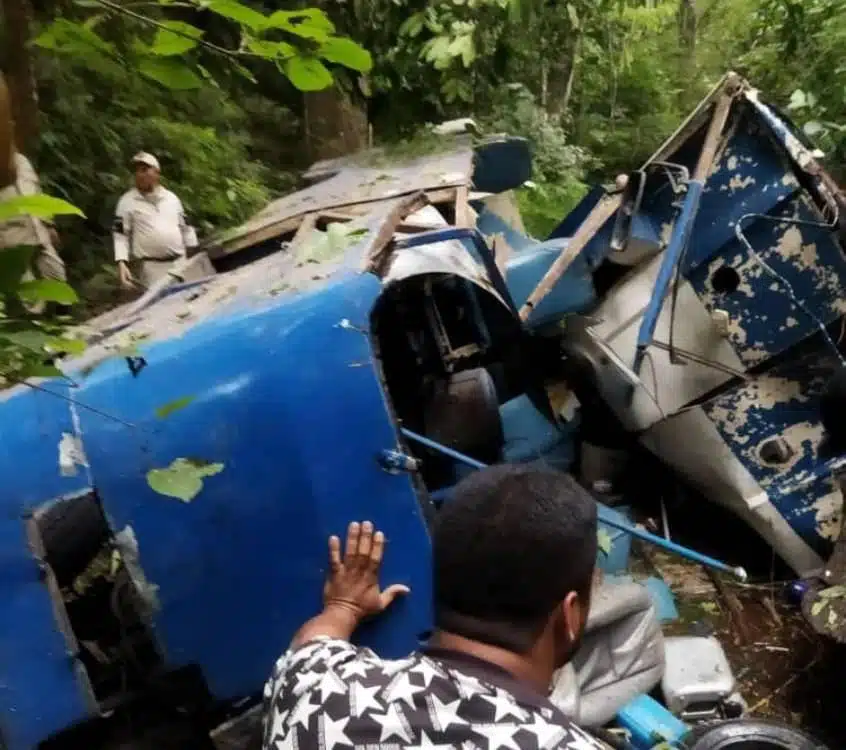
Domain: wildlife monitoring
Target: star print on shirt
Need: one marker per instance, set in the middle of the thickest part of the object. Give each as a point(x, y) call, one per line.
point(363, 698)
point(442, 715)
point(332, 732)
point(393, 724)
point(499, 735)
point(401, 689)
point(504, 706)
point(330, 695)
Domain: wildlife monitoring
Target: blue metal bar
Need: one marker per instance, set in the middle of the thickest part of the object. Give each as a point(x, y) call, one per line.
point(645, 536)
point(460, 457)
point(678, 241)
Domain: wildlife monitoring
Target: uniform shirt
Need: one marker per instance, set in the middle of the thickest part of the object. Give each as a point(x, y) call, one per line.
point(151, 226)
point(328, 694)
point(23, 230)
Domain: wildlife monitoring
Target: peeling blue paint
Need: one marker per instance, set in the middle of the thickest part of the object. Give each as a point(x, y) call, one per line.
point(784, 404)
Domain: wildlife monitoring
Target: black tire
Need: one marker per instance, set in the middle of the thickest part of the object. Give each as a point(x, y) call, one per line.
point(72, 532)
point(751, 734)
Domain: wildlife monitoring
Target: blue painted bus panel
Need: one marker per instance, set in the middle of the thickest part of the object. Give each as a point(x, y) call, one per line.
point(283, 399)
point(41, 690)
point(807, 263)
point(783, 404)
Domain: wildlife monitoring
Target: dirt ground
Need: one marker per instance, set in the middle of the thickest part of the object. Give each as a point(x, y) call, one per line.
point(784, 670)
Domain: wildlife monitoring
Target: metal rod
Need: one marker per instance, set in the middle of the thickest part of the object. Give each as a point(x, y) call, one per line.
point(682, 228)
point(603, 512)
point(594, 221)
point(442, 449)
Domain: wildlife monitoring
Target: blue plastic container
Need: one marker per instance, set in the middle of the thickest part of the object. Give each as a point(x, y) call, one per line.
point(650, 724)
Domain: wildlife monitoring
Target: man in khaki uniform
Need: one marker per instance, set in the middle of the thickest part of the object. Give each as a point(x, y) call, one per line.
point(150, 226)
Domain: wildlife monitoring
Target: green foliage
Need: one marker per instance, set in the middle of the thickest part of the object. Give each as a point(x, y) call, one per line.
point(559, 167)
point(95, 121)
point(28, 344)
point(39, 206)
point(171, 51)
point(323, 246)
point(603, 541)
point(183, 479)
point(543, 205)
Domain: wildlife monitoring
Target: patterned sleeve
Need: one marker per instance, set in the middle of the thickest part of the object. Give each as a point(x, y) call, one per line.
point(298, 672)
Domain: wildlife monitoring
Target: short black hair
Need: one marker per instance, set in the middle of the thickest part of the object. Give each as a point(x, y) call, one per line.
point(508, 547)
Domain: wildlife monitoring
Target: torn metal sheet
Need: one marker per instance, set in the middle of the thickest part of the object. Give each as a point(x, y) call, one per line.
point(353, 184)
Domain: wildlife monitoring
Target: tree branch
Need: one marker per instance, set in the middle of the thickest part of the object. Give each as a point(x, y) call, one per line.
point(117, 8)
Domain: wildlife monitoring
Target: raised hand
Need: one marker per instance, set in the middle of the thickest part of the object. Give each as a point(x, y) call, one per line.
point(353, 581)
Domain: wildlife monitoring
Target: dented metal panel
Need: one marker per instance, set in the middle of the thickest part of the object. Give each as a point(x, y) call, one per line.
point(761, 278)
point(799, 261)
point(286, 396)
point(691, 443)
point(357, 183)
point(771, 424)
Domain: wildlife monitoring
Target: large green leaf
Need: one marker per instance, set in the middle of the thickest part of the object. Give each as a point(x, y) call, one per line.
point(177, 39)
point(47, 290)
point(39, 369)
point(307, 73)
point(63, 35)
point(239, 13)
point(462, 46)
point(183, 479)
point(271, 50)
point(41, 206)
point(63, 345)
point(81, 43)
point(310, 23)
point(24, 334)
point(412, 26)
point(347, 53)
point(170, 73)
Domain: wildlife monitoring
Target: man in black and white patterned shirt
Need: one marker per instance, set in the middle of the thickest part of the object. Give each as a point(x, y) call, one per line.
point(514, 555)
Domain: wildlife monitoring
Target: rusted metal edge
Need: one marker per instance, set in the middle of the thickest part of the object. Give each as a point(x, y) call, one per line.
point(375, 251)
point(462, 208)
point(707, 156)
point(602, 212)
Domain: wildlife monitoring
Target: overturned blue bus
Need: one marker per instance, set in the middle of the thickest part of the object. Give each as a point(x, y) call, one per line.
point(166, 502)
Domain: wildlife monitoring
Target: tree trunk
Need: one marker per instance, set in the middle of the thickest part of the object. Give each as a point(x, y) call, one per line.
point(687, 30)
point(7, 169)
point(561, 83)
point(17, 15)
point(571, 77)
point(334, 124)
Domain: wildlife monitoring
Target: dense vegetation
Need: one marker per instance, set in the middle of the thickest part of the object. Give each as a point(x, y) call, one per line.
point(229, 96)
